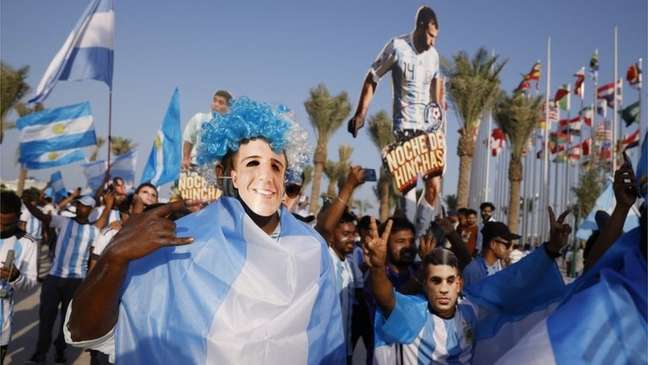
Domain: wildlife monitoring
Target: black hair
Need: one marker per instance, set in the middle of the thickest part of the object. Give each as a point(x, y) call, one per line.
point(438, 256)
point(10, 202)
point(425, 15)
point(125, 205)
point(118, 178)
point(471, 211)
point(348, 217)
point(462, 211)
point(399, 223)
point(438, 233)
point(486, 204)
point(365, 222)
point(225, 95)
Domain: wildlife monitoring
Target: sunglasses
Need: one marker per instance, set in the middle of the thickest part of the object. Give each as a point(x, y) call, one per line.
point(504, 242)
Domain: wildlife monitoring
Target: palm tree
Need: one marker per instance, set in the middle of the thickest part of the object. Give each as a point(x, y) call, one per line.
point(517, 116)
point(121, 145)
point(344, 164)
point(308, 176)
point(380, 130)
point(473, 87)
point(330, 170)
point(12, 87)
point(100, 142)
point(326, 114)
point(451, 201)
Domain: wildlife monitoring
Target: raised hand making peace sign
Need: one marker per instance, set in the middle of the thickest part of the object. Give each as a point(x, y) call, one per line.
point(558, 232)
point(375, 245)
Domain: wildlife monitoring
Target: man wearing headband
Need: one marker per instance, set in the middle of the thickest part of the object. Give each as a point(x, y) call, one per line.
point(241, 281)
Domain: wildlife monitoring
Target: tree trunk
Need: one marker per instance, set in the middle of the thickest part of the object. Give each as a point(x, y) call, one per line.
point(383, 189)
point(20, 185)
point(319, 159)
point(515, 178)
point(465, 150)
point(331, 188)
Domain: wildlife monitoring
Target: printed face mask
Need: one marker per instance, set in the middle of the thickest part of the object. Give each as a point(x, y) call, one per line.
point(258, 175)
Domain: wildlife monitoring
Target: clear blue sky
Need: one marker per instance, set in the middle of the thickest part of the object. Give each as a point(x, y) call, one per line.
point(276, 51)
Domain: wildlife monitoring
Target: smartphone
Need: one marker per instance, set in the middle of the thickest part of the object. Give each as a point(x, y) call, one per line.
point(632, 189)
point(369, 174)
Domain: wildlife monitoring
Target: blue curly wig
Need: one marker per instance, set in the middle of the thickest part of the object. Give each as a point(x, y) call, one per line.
point(246, 120)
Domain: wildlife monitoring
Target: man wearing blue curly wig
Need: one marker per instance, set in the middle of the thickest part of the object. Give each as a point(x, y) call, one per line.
point(245, 283)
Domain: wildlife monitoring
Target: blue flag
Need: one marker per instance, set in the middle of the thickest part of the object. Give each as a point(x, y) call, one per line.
point(163, 165)
point(53, 137)
point(58, 188)
point(233, 296)
point(87, 52)
point(122, 166)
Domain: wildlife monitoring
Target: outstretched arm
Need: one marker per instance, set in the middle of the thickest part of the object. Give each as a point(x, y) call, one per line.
point(45, 218)
point(376, 256)
point(96, 301)
point(625, 194)
point(366, 95)
point(339, 204)
point(109, 201)
point(75, 194)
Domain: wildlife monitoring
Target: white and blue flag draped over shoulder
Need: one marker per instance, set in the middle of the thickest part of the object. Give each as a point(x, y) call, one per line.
point(58, 188)
point(163, 165)
point(54, 137)
point(601, 320)
point(233, 296)
point(122, 166)
point(606, 202)
point(87, 52)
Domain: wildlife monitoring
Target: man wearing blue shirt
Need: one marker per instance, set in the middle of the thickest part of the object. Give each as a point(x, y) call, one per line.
point(438, 326)
point(498, 241)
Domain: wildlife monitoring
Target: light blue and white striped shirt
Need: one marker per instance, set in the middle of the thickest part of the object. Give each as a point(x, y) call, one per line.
point(33, 226)
point(72, 247)
point(412, 74)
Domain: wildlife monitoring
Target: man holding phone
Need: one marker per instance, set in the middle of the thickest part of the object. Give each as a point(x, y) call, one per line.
point(414, 65)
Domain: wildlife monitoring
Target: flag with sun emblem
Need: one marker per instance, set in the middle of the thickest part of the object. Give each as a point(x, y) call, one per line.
point(54, 137)
point(163, 165)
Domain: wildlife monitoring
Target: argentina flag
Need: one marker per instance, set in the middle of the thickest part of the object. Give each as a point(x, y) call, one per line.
point(87, 52)
point(234, 296)
point(53, 137)
point(122, 166)
point(58, 188)
point(163, 165)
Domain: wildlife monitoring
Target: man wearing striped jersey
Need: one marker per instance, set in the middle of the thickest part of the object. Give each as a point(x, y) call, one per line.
point(22, 273)
point(414, 65)
point(440, 327)
point(69, 267)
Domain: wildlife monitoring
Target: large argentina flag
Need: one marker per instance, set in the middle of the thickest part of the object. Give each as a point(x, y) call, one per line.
point(233, 296)
point(602, 320)
point(53, 137)
point(87, 52)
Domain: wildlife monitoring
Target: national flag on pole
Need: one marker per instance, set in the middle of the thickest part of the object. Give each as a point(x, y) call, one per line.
point(572, 124)
point(163, 165)
point(579, 86)
point(53, 137)
point(586, 115)
point(603, 133)
point(554, 112)
point(497, 141)
point(560, 137)
point(122, 166)
point(601, 108)
point(536, 71)
point(633, 75)
point(561, 157)
point(631, 140)
point(594, 62)
point(562, 97)
point(586, 146)
point(606, 92)
point(87, 52)
point(630, 114)
point(574, 153)
point(58, 188)
point(524, 85)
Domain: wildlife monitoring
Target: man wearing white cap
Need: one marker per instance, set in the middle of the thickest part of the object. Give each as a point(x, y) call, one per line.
point(69, 267)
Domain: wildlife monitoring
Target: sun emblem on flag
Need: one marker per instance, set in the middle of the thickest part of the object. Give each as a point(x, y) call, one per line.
point(157, 142)
point(58, 128)
point(52, 156)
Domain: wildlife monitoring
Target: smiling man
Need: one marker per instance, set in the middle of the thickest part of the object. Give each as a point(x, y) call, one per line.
point(254, 286)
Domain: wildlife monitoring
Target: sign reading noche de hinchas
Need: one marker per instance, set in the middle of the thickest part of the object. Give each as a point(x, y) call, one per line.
point(194, 186)
point(422, 154)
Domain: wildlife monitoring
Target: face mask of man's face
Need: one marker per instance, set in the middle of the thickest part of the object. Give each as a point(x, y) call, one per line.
point(258, 175)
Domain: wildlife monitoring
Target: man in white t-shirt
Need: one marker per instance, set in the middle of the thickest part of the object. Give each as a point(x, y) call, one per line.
point(191, 135)
point(19, 275)
point(413, 62)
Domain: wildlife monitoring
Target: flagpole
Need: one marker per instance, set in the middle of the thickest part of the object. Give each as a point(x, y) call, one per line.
point(594, 150)
point(545, 160)
point(642, 125)
point(109, 129)
point(615, 121)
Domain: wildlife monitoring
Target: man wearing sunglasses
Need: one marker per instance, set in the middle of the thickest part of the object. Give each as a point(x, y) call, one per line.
point(498, 240)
